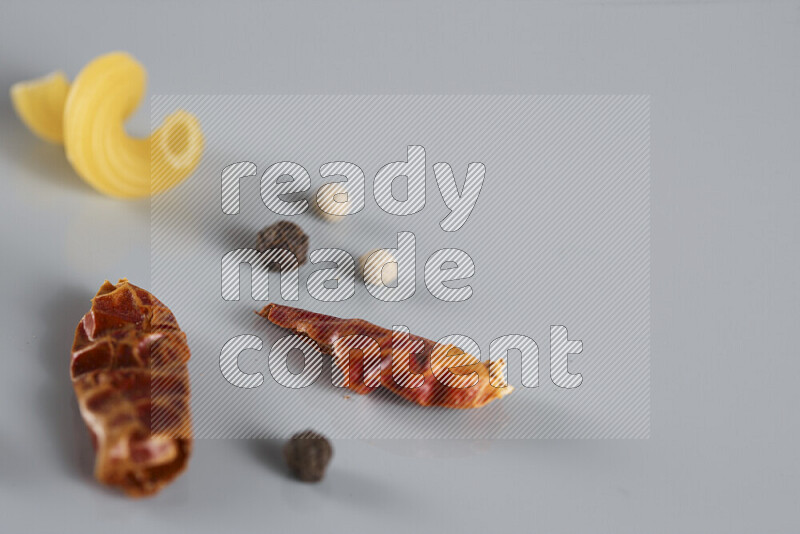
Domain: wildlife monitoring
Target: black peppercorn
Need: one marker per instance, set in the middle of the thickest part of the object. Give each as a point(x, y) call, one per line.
point(307, 455)
point(286, 235)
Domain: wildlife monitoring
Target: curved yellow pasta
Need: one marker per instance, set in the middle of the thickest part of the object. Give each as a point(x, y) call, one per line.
point(105, 93)
point(40, 105)
point(89, 117)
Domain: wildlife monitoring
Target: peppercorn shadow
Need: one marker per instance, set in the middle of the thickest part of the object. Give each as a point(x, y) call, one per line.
point(269, 452)
point(345, 481)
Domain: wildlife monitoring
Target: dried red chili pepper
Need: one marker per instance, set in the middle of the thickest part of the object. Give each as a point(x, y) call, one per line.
point(328, 331)
point(131, 380)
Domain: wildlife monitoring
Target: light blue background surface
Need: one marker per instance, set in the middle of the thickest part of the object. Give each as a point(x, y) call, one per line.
point(724, 81)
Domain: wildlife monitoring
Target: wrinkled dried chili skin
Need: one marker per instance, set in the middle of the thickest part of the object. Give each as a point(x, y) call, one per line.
point(325, 329)
point(131, 380)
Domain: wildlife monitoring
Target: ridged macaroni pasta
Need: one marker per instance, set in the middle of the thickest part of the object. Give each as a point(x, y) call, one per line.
point(88, 118)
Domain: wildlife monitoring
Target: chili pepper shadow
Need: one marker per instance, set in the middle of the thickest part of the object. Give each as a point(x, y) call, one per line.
point(12, 468)
point(56, 402)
